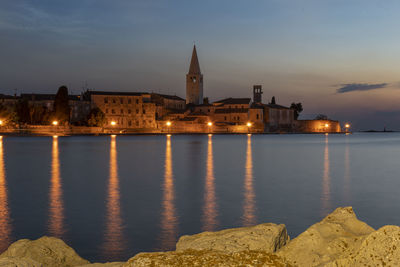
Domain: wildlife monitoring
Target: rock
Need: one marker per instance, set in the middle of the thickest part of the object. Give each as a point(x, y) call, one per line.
point(15, 262)
point(267, 237)
point(48, 251)
point(338, 235)
point(206, 258)
point(381, 248)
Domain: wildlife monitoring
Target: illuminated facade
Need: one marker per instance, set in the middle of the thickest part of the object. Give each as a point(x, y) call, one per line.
point(128, 110)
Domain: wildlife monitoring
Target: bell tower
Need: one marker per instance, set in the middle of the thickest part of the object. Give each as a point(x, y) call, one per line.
point(194, 81)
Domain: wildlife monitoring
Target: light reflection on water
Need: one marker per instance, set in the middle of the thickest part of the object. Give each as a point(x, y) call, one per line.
point(5, 222)
point(56, 218)
point(249, 204)
point(210, 209)
point(169, 220)
point(114, 241)
point(326, 181)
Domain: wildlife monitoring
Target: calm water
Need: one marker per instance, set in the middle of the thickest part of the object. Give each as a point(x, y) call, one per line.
point(111, 197)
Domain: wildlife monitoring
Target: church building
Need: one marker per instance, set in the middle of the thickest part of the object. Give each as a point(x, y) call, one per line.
point(194, 81)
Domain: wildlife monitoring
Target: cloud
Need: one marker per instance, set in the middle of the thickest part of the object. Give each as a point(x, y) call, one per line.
point(351, 87)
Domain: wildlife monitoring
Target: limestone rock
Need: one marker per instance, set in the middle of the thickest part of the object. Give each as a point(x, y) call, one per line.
point(381, 248)
point(16, 262)
point(206, 258)
point(338, 235)
point(267, 237)
point(48, 251)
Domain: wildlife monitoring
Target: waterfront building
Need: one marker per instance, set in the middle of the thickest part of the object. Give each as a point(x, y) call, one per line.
point(130, 110)
point(194, 81)
point(167, 104)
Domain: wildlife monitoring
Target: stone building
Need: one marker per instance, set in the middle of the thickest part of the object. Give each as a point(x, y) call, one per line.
point(194, 81)
point(166, 104)
point(130, 110)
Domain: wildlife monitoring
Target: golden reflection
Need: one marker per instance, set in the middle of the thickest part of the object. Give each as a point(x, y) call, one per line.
point(56, 223)
point(210, 205)
point(168, 216)
point(346, 187)
point(249, 217)
point(114, 242)
point(326, 181)
point(5, 221)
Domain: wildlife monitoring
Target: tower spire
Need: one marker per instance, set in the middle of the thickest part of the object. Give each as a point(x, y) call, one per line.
point(194, 63)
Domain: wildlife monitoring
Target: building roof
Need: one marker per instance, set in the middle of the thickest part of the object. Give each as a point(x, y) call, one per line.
point(231, 100)
point(194, 63)
point(48, 97)
point(38, 97)
point(116, 93)
point(3, 96)
point(276, 106)
point(231, 110)
point(173, 97)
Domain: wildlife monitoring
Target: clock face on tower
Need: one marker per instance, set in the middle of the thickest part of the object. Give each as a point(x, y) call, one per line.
point(194, 79)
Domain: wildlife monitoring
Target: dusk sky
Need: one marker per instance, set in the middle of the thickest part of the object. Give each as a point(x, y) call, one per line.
point(340, 58)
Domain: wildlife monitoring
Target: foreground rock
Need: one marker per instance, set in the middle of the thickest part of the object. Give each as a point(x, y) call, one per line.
point(206, 258)
point(16, 262)
point(381, 248)
point(339, 240)
point(338, 235)
point(267, 237)
point(45, 251)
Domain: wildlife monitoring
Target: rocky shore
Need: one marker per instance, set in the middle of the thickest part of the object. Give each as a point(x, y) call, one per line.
point(340, 239)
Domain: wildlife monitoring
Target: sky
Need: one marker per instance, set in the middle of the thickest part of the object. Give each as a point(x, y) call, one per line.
point(340, 58)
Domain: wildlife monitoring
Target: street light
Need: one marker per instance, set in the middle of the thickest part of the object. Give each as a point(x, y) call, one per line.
point(1, 122)
point(209, 126)
point(249, 124)
point(347, 126)
point(168, 123)
point(55, 123)
point(113, 123)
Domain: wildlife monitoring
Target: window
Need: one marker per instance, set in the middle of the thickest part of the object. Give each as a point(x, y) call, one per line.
point(114, 100)
point(106, 100)
point(113, 111)
point(208, 110)
point(129, 101)
point(106, 110)
point(137, 123)
point(121, 100)
point(137, 111)
point(225, 118)
point(122, 111)
point(129, 111)
point(137, 101)
point(129, 123)
point(258, 116)
point(144, 111)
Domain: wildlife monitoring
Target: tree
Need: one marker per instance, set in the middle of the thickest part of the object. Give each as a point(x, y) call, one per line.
point(298, 108)
point(273, 100)
point(61, 107)
point(23, 113)
point(8, 114)
point(96, 118)
point(321, 117)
